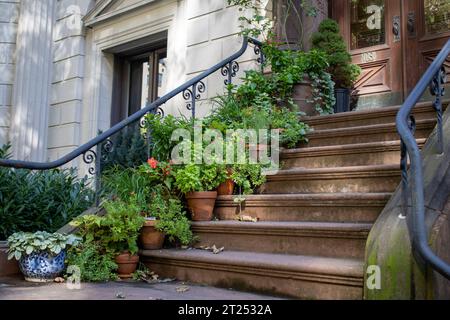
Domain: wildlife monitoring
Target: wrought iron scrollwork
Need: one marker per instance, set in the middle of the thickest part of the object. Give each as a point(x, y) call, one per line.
point(404, 164)
point(90, 158)
point(193, 94)
point(230, 71)
point(261, 58)
point(437, 89)
point(106, 149)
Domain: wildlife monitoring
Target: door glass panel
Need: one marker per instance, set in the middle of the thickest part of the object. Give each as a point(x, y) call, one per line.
point(367, 23)
point(437, 16)
point(162, 73)
point(145, 84)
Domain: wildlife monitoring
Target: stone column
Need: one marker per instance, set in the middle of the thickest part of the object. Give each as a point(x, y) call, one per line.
point(32, 87)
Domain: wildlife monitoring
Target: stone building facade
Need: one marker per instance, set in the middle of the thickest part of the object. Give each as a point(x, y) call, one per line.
point(60, 69)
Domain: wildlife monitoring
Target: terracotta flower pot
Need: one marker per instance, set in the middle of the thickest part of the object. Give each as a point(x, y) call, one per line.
point(150, 238)
point(226, 188)
point(127, 264)
point(302, 92)
point(201, 205)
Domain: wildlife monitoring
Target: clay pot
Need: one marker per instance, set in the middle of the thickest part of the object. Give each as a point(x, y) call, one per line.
point(150, 238)
point(302, 91)
point(226, 188)
point(127, 264)
point(201, 205)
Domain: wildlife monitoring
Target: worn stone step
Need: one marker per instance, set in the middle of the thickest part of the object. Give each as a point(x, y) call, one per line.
point(327, 239)
point(325, 207)
point(383, 115)
point(360, 154)
point(365, 134)
point(303, 277)
point(377, 178)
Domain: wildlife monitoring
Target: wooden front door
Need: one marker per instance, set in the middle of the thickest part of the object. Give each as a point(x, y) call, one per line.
point(393, 41)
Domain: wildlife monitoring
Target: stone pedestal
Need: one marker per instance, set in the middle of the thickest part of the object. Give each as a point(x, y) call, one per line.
point(31, 92)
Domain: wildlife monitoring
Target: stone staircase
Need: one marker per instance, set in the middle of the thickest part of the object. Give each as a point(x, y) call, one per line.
point(314, 215)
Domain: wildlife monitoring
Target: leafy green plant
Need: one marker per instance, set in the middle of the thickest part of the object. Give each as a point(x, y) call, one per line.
point(161, 130)
point(95, 265)
point(25, 243)
point(293, 130)
point(115, 232)
point(247, 177)
point(329, 40)
point(172, 220)
point(40, 201)
point(193, 177)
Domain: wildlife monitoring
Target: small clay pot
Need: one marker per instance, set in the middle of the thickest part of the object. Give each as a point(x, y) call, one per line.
point(150, 238)
point(201, 205)
point(226, 188)
point(127, 264)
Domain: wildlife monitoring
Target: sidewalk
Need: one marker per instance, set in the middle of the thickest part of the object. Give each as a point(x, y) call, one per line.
point(18, 289)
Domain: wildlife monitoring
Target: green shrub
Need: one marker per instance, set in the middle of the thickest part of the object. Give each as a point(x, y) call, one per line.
point(129, 149)
point(33, 201)
point(328, 39)
point(95, 265)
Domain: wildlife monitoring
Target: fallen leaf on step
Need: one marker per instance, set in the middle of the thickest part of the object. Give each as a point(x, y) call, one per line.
point(247, 219)
point(120, 295)
point(216, 250)
point(59, 280)
point(182, 289)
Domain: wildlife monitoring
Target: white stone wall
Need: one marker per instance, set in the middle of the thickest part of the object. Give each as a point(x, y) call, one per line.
point(200, 34)
point(64, 133)
point(9, 15)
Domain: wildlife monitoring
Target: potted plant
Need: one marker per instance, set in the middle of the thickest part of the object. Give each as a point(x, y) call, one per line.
point(226, 188)
point(123, 221)
point(169, 218)
point(343, 72)
point(198, 183)
point(41, 255)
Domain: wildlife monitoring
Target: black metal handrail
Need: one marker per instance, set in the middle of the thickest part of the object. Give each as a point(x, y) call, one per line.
point(190, 90)
point(434, 79)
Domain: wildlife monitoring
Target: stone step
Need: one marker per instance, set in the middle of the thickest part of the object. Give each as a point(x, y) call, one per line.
point(365, 134)
point(360, 154)
point(326, 207)
point(327, 239)
point(303, 277)
point(369, 117)
point(377, 178)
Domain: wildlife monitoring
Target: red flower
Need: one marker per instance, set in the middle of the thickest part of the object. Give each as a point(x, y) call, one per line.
point(153, 163)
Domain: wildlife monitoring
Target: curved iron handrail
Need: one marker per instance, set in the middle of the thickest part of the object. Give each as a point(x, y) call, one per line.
point(434, 78)
point(188, 89)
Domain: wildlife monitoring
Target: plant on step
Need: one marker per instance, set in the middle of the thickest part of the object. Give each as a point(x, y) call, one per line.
point(93, 262)
point(170, 217)
point(41, 255)
point(40, 200)
point(293, 131)
point(198, 182)
point(329, 40)
point(116, 233)
point(248, 177)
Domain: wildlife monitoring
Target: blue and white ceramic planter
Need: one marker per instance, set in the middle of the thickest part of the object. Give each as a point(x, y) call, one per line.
point(42, 266)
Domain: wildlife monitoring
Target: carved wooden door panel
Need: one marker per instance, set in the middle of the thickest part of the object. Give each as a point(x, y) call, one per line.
point(372, 29)
point(427, 30)
point(393, 41)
